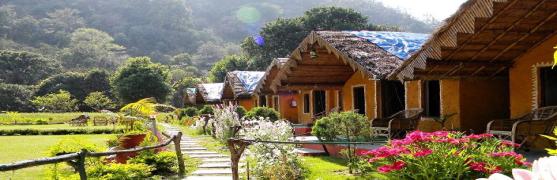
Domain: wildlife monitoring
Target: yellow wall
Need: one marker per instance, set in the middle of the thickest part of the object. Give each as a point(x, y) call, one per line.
point(304, 118)
point(358, 79)
point(523, 75)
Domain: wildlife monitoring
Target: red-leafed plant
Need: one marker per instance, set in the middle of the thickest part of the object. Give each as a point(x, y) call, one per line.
point(441, 155)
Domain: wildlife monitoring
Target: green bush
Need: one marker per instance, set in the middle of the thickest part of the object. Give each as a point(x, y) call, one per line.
point(28, 132)
point(264, 112)
point(119, 171)
point(16, 97)
point(207, 109)
point(241, 111)
point(345, 124)
point(190, 111)
point(71, 145)
point(41, 122)
point(161, 163)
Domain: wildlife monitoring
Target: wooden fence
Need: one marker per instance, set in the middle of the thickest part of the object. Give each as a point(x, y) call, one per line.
point(78, 158)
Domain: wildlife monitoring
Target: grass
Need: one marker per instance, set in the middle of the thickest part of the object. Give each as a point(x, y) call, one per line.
point(48, 117)
point(17, 148)
point(52, 126)
point(325, 167)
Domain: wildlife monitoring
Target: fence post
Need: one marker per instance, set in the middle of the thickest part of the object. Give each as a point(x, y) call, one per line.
point(81, 164)
point(181, 166)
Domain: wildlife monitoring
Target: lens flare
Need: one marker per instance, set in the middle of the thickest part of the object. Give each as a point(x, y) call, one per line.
point(248, 14)
point(259, 40)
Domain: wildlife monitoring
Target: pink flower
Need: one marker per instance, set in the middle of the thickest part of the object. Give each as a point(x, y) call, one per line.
point(398, 165)
point(422, 153)
point(441, 133)
point(477, 166)
point(509, 144)
point(419, 136)
point(479, 136)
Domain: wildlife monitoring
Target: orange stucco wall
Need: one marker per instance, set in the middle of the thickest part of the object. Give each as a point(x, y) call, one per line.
point(358, 79)
point(523, 74)
point(248, 103)
point(286, 110)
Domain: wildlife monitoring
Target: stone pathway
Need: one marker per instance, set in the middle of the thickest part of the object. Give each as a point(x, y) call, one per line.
point(214, 166)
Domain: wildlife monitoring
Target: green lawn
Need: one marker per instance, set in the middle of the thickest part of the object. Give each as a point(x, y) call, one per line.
point(17, 148)
point(52, 126)
point(325, 167)
point(48, 117)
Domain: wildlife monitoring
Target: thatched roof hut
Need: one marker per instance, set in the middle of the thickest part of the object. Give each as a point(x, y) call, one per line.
point(241, 84)
point(374, 53)
point(209, 93)
point(482, 39)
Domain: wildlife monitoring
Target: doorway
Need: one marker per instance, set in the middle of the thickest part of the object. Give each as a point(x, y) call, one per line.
point(548, 87)
point(359, 99)
point(319, 106)
point(392, 97)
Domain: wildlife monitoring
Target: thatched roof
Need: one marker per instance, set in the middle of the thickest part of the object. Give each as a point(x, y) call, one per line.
point(209, 93)
point(374, 53)
point(270, 74)
point(241, 84)
point(482, 39)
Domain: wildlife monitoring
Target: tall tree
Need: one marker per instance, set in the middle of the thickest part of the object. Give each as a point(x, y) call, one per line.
point(92, 48)
point(227, 64)
point(140, 78)
point(20, 67)
point(278, 38)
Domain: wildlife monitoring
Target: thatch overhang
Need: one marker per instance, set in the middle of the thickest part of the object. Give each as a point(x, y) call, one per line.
point(339, 54)
point(209, 93)
point(264, 86)
point(482, 40)
point(241, 84)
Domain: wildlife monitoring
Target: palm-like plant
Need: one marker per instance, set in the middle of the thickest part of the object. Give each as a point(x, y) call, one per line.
point(142, 108)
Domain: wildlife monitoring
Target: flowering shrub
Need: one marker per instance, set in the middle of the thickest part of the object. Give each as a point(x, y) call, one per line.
point(273, 161)
point(543, 168)
point(442, 155)
point(224, 118)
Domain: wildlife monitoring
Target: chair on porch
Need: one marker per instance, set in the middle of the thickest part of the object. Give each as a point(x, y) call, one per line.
point(539, 121)
point(397, 124)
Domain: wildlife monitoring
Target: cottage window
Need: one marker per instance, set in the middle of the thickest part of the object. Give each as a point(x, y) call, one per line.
point(319, 102)
point(548, 87)
point(306, 103)
point(359, 99)
point(276, 102)
point(431, 98)
point(262, 101)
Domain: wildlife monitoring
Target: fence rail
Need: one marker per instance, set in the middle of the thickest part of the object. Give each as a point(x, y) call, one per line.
point(79, 157)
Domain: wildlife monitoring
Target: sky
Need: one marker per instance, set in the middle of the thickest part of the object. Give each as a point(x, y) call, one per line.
point(439, 9)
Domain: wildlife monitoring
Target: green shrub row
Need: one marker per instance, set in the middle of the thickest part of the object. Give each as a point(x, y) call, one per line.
point(27, 132)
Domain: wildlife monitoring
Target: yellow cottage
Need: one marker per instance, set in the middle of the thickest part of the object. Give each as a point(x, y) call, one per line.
point(239, 88)
point(490, 60)
point(346, 71)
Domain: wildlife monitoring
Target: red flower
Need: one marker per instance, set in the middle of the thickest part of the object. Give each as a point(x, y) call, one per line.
point(398, 165)
point(424, 152)
point(478, 166)
point(509, 143)
point(440, 133)
point(497, 169)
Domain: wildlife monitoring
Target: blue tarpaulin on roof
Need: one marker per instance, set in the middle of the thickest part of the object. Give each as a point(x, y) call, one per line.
point(400, 44)
point(214, 90)
point(249, 79)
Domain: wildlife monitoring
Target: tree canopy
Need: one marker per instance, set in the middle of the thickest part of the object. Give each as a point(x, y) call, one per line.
point(227, 64)
point(140, 78)
point(20, 67)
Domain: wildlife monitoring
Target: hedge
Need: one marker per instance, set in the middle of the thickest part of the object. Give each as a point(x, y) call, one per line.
point(27, 132)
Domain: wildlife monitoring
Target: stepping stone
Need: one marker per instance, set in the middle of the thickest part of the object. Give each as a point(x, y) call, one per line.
point(212, 172)
point(194, 149)
point(215, 160)
point(206, 156)
point(215, 165)
point(200, 153)
point(208, 177)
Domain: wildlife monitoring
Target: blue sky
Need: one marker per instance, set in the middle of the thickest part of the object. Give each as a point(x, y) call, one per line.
point(439, 9)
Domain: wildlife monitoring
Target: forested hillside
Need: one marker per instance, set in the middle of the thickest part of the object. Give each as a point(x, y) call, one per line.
point(205, 29)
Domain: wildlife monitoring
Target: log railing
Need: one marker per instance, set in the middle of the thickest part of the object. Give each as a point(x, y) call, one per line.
point(79, 157)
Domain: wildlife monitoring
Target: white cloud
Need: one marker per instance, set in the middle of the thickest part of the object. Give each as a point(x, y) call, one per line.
point(439, 9)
